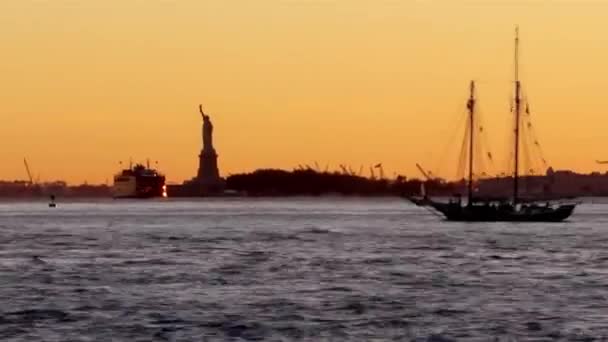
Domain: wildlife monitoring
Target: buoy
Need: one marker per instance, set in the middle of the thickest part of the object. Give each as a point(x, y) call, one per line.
point(37, 260)
point(52, 204)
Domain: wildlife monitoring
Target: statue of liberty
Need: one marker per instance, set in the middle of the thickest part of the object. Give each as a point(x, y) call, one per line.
point(207, 131)
point(208, 172)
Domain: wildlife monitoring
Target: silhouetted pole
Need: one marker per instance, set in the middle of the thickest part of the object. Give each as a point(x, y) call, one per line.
point(517, 115)
point(471, 107)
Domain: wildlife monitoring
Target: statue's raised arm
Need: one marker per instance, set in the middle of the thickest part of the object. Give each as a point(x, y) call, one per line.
point(200, 109)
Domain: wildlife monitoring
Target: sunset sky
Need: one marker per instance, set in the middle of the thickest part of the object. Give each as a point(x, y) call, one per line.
point(85, 84)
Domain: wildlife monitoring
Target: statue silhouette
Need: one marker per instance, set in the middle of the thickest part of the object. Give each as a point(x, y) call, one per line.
point(207, 130)
point(208, 172)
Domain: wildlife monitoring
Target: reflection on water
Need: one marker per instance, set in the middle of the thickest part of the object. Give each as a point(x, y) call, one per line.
point(295, 269)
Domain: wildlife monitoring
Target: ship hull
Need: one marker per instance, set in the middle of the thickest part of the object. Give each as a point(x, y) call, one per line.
point(486, 212)
point(138, 187)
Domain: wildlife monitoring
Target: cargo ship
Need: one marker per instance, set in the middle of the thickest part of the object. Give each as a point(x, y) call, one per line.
point(139, 181)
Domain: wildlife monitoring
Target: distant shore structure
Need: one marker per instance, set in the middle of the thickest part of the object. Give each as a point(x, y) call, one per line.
point(207, 181)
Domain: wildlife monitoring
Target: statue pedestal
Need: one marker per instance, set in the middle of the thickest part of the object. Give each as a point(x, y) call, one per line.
point(208, 171)
point(208, 181)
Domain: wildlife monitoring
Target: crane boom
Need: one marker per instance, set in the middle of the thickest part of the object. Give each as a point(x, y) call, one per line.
point(29, 174)
point(424, 173)
point(344, 170)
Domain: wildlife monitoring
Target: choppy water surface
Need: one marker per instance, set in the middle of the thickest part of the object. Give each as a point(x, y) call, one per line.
point(296, 269)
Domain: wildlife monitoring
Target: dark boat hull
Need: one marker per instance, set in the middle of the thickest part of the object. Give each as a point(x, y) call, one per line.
point(479, 212)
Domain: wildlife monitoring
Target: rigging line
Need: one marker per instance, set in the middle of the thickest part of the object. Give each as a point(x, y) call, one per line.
point(534, 154)
point(486, 151)
point(522, 144)
point(523, 128)
point(537, 144)
point(510, 152)
point(524, 161)
point(478, 161)
point(533, 150)
point(487, 165)
point(528, 165)
point(536, 140)
point(463, 154)
point(452, 136)
point(530, 129)
point(480, 168)
point(507, 155)
point(461, 121)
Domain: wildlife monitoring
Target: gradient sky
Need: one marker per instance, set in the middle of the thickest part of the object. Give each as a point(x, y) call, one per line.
point(84, 84)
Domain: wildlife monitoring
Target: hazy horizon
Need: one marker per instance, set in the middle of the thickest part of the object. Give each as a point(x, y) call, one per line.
point(86, 85)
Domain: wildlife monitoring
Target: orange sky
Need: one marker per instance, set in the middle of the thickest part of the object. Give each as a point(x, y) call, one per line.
point(84, 84)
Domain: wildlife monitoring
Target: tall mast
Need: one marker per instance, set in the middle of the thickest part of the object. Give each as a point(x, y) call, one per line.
point(471, 107)
point(517, 117)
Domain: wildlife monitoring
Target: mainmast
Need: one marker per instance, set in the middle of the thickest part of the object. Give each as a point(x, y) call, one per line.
point(517, 118)
point(471, 107)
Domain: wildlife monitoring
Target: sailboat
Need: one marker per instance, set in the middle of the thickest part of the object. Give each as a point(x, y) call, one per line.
point(484, 209)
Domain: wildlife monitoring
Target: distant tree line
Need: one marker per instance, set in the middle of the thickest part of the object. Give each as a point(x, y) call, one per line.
point(23, 189)
point(274, 182)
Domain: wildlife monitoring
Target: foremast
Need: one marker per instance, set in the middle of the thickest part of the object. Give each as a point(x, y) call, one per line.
point(517, 119)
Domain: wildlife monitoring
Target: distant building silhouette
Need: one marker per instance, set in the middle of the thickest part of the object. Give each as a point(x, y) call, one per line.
point(555, 183)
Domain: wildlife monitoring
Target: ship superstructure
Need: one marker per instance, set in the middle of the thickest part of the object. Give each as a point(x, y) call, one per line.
point(139, 181)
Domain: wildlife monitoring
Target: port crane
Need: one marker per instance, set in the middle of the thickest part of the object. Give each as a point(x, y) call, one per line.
point(29, 173)
point(380, 169)
point(426, 174)
point(344, 170)
point(347, 170)
point(308, 167)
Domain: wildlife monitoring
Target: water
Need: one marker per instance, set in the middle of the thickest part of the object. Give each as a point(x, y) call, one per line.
point(295, 270)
